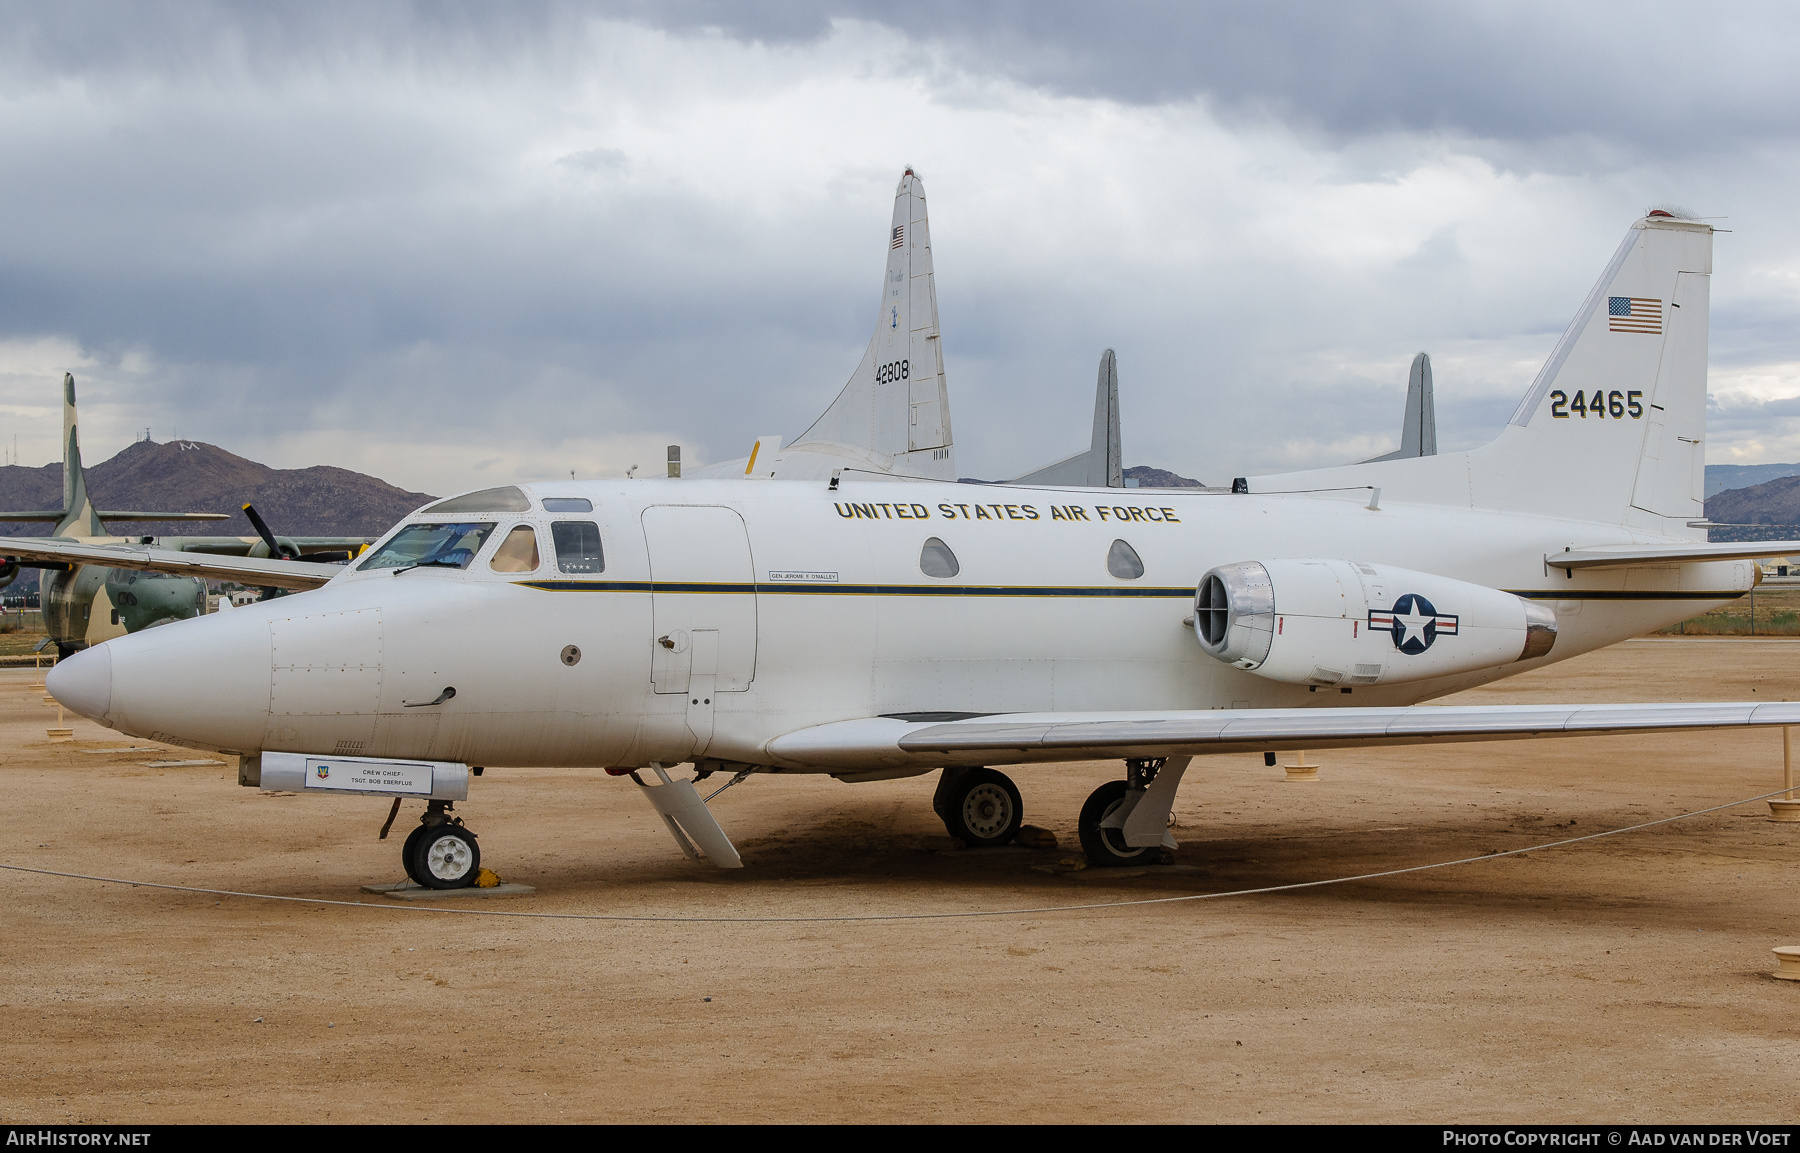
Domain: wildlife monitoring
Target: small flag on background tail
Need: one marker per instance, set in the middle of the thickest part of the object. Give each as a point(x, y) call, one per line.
point(1634, 314)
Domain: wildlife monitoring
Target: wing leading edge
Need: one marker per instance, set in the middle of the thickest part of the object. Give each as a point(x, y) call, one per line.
point(1031, 737)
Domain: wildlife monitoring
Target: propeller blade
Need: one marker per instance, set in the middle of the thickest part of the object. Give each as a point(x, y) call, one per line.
point(262, 529)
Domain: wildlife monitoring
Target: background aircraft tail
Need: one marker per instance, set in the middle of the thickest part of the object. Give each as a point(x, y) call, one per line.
point(1614, 426)
point(895, 407)
point(1101, 466)
point(78, 517)
point(1418, 427)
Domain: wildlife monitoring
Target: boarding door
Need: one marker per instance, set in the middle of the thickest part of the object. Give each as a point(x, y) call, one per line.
point(703, 607)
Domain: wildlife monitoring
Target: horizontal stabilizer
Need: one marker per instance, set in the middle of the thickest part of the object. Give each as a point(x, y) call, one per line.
point(103, 515)
point(1626, 555)
point(258, 571)
point(1032, 737)
point(58, 514)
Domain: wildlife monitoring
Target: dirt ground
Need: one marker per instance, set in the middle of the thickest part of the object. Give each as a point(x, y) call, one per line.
point(1622, 980)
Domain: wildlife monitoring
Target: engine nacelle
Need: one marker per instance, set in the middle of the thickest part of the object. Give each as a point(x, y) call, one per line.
point(9, 571)
point(1328, 622)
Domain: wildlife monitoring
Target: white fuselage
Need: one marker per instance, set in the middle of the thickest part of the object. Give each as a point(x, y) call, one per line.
point(786, 605)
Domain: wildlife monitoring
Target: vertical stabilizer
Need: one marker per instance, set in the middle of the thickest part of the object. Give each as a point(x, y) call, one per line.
point(895, 411)
point(1618, 413)
point(1101, 465)
point(1613, 428)
point(1418, 427)
point(79, 518)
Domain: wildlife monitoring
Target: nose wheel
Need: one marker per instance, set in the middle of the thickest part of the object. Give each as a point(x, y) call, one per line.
point(441, 853)
point(979, 807)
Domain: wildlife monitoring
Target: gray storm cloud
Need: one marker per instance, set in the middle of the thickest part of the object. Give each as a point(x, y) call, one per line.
point(444, 242)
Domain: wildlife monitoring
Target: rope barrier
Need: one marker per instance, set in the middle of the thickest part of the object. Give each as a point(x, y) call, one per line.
point(1041, 910)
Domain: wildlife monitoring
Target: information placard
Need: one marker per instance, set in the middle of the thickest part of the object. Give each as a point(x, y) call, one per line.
point(368, 776)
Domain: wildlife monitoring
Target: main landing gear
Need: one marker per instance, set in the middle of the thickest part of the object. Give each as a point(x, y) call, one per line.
point(441, 853)
point(979, 807)
point(1126, 822)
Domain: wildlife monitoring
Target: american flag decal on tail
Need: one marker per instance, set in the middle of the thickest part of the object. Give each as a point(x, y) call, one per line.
point(899, 236)
point(1634, 314)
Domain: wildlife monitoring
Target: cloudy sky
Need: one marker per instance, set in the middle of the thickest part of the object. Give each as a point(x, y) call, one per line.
point(450, 244)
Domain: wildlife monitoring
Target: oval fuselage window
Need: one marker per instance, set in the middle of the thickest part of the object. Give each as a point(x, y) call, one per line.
point(936, 559)
point(1123, 562)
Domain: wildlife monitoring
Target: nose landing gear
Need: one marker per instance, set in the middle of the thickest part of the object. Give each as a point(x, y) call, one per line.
point(441, 853)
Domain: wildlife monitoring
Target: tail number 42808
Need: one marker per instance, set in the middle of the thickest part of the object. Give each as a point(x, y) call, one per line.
point(1615, 404)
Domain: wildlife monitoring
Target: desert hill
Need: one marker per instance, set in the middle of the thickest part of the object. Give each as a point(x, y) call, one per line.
point(191, 476)
point(1775, 503)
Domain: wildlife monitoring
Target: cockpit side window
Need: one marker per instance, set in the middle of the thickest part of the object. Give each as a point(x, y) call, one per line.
point(518, 552)
point(936, 559)
point(445, 545)
point(577, 547)
point(1123, 561)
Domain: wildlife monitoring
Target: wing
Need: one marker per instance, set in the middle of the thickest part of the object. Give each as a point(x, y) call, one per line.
point(287, 574)
point(1625, 555)
point(239, 545)
point(1020, 738)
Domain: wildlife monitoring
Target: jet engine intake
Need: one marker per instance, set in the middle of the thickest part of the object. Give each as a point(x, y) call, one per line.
point(1328, 622)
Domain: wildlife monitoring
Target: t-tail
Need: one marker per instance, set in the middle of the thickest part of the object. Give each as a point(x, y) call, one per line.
point(1613, 429)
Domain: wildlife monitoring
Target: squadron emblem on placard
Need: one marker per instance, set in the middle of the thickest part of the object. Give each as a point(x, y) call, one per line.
point(1414, 623)
point(324, 771)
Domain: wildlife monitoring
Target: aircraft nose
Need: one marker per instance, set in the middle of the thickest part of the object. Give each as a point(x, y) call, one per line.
point(83, 682)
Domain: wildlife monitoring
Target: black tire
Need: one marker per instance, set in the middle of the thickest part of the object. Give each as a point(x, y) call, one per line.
point(984, 809)
point(446, 857)
point(1106, 848)
point(407, 848)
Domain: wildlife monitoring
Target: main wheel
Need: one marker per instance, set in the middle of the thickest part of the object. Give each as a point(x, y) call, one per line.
point(984, 809)
point(446, 857)
point(407, 848)
point(1106, 848)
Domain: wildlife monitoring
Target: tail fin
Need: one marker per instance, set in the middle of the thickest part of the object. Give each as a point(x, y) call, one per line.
point(895, 410)
point(1101, 465)
point(1614, 426)
point(79, 518)
point(1418, 427)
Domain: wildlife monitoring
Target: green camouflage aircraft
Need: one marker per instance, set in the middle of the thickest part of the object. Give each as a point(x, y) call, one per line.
point(97, 586)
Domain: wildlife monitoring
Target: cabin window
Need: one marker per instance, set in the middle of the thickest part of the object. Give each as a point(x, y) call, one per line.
point(518, 552)
point(936, 559)
point(568, 504)
point(451, 545)
point(1122, 561)
point(507, 499)
point(577, 546)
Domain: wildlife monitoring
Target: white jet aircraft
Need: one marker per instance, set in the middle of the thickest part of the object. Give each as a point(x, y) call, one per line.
point(869, 630)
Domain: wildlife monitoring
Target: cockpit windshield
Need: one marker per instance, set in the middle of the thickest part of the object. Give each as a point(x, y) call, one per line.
point(440, 545)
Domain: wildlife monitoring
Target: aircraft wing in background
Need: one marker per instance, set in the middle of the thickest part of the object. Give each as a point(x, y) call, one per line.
point(258, 571)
